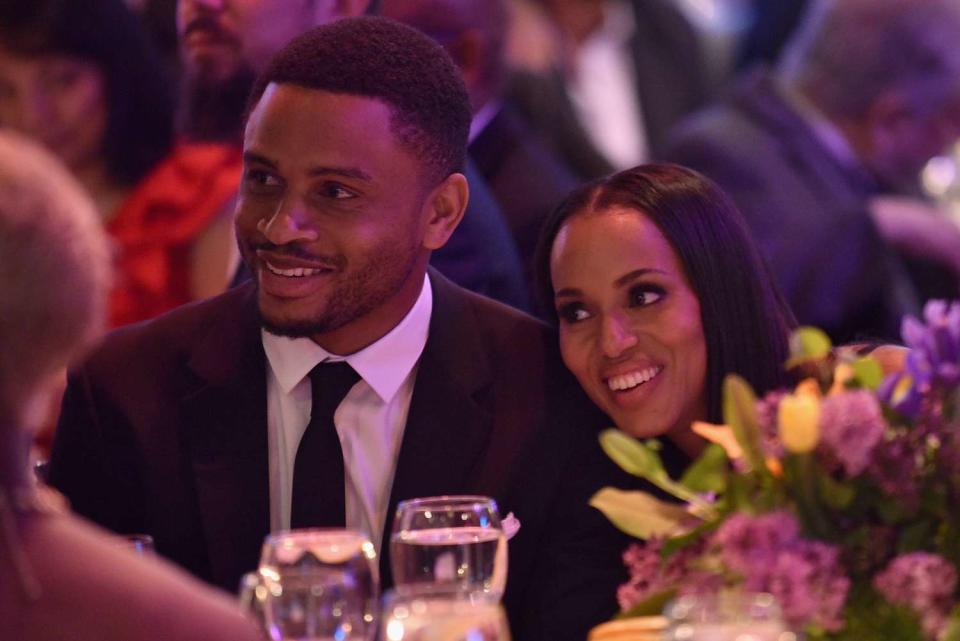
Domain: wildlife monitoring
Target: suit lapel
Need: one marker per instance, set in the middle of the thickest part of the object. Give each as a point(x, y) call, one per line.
point(225, 422)
point(450, 415)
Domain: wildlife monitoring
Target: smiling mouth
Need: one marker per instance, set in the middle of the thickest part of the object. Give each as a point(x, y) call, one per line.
point(632, 380)
point(295, 272)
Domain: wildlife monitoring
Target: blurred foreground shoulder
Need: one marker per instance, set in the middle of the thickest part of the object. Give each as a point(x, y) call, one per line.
point(92, 588)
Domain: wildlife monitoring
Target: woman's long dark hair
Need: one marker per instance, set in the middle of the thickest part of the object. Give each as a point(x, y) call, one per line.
point(106, 33)
point(745, 321)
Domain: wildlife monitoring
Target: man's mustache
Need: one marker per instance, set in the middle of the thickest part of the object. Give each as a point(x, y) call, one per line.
point(296, 251)
point(210, 25)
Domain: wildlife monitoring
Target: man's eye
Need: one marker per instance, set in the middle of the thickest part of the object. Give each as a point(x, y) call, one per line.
point(572, 313)
point(337, 192)
point(259, 180)
point(643, 295)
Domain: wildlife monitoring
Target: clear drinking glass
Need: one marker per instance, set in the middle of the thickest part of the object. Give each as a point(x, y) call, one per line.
point(431, 612)
point(726, 616)
point(454, 540)
point(320, 584)
point(252, 596)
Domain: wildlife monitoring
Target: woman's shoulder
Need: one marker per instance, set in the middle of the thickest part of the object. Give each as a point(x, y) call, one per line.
point(93, 588)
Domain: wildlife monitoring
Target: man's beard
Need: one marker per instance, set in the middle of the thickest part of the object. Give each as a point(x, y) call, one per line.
point(213, 110)
point(361, 292)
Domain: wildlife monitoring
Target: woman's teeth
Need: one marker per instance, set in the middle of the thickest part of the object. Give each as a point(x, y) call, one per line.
point(297, 272)
point(633, 379)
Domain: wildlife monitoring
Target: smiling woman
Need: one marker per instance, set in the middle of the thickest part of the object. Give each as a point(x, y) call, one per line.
point(659, 293)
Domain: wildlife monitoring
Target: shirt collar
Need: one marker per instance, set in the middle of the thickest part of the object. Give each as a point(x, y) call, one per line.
point(384, 365)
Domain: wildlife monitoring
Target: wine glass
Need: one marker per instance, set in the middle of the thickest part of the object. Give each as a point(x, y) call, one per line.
point(442, 612)
point(726, 616)
point(320, 584)
point(456, 540)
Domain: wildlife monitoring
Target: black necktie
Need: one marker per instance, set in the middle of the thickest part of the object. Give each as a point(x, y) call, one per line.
point(318, 473)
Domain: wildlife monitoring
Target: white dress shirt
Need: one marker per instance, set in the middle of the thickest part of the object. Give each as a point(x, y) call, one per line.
point(370, 419)
point(603, 90)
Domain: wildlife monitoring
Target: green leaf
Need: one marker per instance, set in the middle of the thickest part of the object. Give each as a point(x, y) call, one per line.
point(677, 543)
point(632, 456)
point(709, 472)
point(739, 412)
point(915, 536)
point(639, 514)
point(802, 473)
point(808, 344)
point(869, 617)
point(642, 459)
point(651, 606)
point(834, 494)
point(868, 372)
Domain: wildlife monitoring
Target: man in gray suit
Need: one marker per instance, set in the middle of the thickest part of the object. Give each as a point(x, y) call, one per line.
point(867, 92)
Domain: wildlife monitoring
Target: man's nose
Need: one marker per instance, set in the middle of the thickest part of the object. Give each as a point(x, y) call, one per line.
point(290, 223)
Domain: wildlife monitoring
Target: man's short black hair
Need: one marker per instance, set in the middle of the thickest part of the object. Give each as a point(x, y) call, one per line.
point(383, 59)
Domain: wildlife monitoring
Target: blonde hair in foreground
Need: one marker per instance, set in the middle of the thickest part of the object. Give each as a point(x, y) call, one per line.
point(54, 270)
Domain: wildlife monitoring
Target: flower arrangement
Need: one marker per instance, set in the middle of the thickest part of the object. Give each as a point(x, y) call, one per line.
point(840, 497)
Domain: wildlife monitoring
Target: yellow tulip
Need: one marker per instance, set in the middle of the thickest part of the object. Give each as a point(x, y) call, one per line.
point(808, 387)
point(798, 421)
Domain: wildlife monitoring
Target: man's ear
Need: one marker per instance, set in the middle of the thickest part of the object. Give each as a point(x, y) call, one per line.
point(446, 204)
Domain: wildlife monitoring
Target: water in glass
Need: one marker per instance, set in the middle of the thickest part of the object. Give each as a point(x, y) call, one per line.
point(320, 584)
point(454, 540)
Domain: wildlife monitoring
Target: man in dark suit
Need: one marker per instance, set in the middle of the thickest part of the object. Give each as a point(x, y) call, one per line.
point(866, 94)
point(201, 427)
point(663, 76)
point(226, 43)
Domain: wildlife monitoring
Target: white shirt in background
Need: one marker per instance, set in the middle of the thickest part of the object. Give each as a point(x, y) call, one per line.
point(604, 91)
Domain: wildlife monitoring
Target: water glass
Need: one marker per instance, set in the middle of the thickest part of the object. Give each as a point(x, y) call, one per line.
point(442, 613)
point(319, 584)
point(726, 616)
point(452, 540)
point(252, 597)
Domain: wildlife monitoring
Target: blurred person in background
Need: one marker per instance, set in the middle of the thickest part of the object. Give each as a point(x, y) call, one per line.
point(81, 78)
point(866, 93)
point(772, 23)
point(628, 70)
point(60, 577)
point(226, 43)
point(527, 179)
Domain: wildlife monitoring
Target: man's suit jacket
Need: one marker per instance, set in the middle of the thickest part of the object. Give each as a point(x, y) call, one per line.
point(807, 211)
point(526, 178)
point(163, 431)
point(671, 75)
